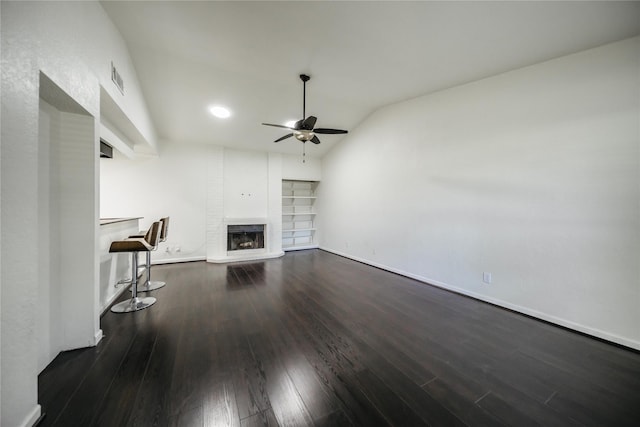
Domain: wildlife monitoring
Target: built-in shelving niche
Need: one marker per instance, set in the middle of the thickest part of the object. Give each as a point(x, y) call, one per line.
point(298, 215)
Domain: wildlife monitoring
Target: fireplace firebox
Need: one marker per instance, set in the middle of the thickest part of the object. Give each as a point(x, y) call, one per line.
point(243, 237)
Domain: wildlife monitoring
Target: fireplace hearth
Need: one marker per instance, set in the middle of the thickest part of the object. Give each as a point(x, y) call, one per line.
point(245, 237)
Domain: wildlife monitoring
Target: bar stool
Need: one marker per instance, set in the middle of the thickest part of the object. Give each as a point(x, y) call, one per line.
point(150, 285)
point(134, 246)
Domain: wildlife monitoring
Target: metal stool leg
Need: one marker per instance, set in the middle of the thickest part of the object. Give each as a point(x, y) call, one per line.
point(135, 303)
point(150, 285)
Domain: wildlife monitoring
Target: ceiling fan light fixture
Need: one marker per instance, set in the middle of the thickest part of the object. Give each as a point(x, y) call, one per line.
point(220, 111)
point(303, 135)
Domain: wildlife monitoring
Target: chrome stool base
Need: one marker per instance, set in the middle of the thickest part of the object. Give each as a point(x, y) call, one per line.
point(151, 286)
point(133, 246)
point(133, 304)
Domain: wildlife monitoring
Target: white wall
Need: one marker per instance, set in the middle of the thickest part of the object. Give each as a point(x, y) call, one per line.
point(74, 187)
point(174, 184)
point(274, 203)
point(532, 175)
point(48, 327)
point(245, 184)
point(293, 168)
point(73, 43)
point(215, 227)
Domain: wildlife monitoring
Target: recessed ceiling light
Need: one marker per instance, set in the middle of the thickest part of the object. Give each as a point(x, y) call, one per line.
point(220, 112)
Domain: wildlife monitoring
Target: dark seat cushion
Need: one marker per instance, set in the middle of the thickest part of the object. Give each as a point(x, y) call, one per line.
point(130, 245)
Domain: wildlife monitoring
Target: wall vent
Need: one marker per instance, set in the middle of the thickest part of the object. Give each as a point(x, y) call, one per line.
point(106, 150)
point(117, 78)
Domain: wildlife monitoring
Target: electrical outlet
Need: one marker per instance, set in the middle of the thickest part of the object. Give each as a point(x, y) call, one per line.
point(486, 277)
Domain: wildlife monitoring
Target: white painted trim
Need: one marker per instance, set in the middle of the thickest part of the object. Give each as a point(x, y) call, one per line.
point(33, 416)
point(226, 259)
point(245, 221)
point(177, 260)
point(98, 337)
point(529, 312)
point(116, 142)
point(246, 253)
point(300, 248)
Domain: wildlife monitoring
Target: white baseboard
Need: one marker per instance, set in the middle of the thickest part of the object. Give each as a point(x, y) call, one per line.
point(98, 337)
point(300, 248)
point(237, 258)
point(178, 259)
point(32, 417)
point(607, 336)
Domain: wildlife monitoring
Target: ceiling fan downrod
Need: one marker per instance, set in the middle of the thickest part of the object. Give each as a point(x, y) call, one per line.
point(305, 78)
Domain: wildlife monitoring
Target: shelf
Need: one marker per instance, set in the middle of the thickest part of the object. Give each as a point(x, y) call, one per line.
point(298, 228)
point(298, 197)
point(299, 247)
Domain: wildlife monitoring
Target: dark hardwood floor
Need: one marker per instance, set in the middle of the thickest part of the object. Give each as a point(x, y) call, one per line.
point(316, 339)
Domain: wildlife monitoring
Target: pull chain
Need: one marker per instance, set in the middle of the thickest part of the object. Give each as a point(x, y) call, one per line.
point(304, 152)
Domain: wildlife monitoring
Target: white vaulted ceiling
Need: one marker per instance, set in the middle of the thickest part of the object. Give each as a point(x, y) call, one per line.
point(360, 55)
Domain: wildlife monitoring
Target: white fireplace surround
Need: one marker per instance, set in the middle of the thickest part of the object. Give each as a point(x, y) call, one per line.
point(245, 221)
point(246, 254)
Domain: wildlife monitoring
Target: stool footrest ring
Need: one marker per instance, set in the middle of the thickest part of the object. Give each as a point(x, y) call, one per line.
point(133, 304)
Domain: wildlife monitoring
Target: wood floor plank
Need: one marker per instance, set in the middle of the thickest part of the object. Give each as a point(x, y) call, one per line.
point(282, 347)
point(191, 417)
point(286, 402)
point(250, 384)
point(316, 339)
point(393, 408)
point(460, 403)
point(414, 399)
point(71, 365)
point(334, 371)
point(116, 408)
point(594, 406)
point(219, 403)
point(152, 403)
point(90, 393)
point(334, 419)
point(505, 412)
point(263, 419)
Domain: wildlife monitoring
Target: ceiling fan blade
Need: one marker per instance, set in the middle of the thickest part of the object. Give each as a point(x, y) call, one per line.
point(329, 131)
point(278, 126)
point(315, 140)
point(298, 125)
point(284, 137)
point(309, 123)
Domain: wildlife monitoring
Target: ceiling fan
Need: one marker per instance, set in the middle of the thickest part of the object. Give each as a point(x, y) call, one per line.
point(304, 130)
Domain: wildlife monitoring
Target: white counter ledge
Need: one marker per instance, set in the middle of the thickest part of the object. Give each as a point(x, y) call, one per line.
point(107, 221)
